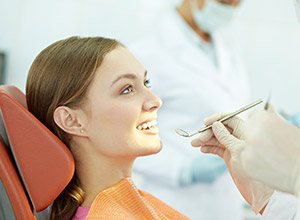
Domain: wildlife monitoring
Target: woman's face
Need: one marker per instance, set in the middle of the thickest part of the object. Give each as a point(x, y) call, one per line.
point(121, 110)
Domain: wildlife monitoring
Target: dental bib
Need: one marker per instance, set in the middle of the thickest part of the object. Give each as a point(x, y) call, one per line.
point(125, 201)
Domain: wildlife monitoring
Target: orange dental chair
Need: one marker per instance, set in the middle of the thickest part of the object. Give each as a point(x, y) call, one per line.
point(35, 166)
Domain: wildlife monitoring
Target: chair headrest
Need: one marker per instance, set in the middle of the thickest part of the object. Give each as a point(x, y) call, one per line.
point(45, 164)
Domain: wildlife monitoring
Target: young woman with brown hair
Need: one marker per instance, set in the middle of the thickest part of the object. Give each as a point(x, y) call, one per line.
point(94, 95)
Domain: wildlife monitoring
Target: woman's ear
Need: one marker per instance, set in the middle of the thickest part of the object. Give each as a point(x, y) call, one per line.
point(68, 120)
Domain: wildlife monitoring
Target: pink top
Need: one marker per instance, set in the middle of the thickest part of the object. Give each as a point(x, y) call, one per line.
point(81, 213)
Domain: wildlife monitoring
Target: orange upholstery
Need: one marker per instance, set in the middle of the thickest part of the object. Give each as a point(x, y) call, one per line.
point(13, 186)
point(44, 164)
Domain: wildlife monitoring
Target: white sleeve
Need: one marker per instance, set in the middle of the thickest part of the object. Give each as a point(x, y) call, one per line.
point(282, 206)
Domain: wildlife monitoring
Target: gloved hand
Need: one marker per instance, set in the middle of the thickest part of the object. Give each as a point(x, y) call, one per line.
point(274, 156)
point(269, 148)
point(219, 141)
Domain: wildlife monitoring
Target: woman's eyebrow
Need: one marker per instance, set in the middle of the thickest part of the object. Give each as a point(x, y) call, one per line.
point(127, 76)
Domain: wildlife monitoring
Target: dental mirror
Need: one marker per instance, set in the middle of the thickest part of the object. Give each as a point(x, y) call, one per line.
point(186, 134)
point(182, 132)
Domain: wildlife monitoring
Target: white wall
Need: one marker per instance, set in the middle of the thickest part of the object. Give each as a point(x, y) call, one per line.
point(269, 35)
point(267, 32)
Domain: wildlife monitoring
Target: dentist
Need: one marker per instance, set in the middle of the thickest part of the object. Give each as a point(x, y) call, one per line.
point(265, 148)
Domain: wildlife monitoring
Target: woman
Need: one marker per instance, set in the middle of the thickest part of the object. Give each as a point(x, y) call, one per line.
point(94, 95)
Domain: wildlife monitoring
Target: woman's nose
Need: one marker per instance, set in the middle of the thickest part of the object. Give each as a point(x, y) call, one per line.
point(152, 103)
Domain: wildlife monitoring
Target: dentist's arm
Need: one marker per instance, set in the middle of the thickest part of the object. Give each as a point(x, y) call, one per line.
point(265, 148)
point(229, 147)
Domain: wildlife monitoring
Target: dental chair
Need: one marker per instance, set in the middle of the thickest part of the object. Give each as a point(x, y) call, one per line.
point(35, 166)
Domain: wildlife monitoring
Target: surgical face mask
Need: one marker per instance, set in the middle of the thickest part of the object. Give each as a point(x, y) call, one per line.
point(213, 16)
point(297, 7)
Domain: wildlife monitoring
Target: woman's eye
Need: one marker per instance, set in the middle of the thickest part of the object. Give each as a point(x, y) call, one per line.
point(127, 90)
point(147, 83)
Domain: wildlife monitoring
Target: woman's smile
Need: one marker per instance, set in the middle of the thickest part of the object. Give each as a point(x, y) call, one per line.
point(148, 127)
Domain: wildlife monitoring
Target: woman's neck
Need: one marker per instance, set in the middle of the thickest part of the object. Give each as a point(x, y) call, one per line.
point(99, 173)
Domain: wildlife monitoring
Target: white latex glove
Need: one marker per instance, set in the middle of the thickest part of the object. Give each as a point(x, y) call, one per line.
point(274, 155)
point(269, 148)
point(219, 141)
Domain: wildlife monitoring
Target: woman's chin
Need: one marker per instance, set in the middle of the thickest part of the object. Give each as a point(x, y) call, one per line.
point(152, 148)
point(158, 147)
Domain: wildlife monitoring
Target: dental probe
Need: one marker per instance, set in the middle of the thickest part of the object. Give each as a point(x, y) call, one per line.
point(186, 134)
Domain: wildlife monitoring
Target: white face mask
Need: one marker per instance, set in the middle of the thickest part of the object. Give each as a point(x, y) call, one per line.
point(297, 7)
point(213, 16)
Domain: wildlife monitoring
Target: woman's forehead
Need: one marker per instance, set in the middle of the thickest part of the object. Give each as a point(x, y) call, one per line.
point(119, 61)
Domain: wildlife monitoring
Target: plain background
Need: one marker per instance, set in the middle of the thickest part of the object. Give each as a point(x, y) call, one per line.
point(266, 31)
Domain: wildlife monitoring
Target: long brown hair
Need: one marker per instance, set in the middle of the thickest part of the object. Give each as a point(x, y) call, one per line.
point(60, 76)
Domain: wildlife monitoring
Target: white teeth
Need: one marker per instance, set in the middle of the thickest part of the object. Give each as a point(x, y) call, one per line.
point(152, 123)
point(147, 125)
